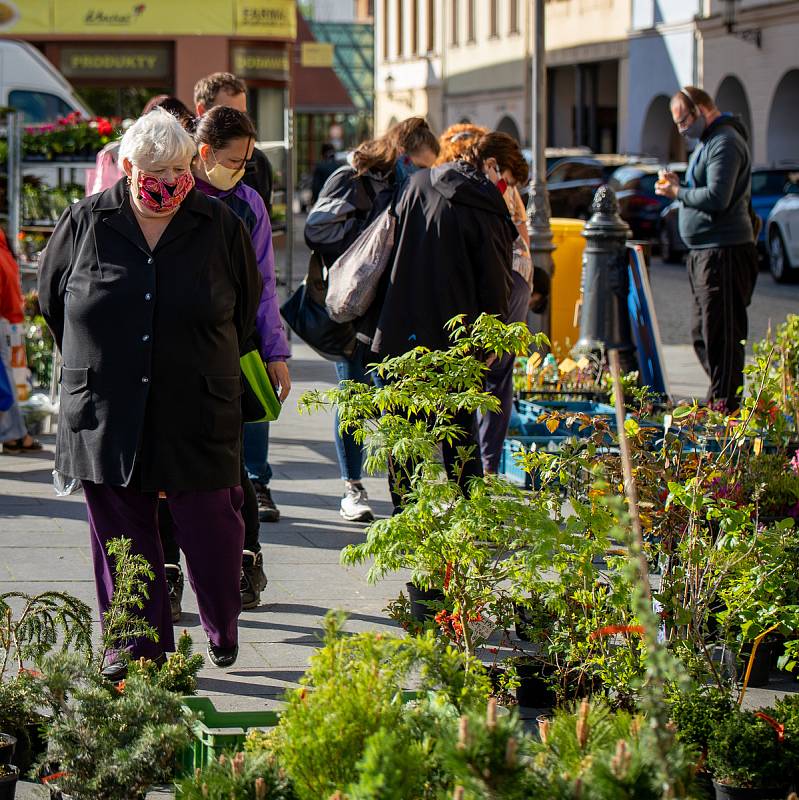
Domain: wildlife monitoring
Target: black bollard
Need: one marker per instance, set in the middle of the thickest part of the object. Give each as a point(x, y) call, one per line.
point(604, 316)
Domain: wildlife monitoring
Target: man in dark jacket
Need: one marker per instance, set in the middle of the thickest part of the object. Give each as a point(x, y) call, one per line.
point(716, 223)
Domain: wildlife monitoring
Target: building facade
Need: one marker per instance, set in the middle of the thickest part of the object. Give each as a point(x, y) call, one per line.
point(457, 60)
point(612, 66)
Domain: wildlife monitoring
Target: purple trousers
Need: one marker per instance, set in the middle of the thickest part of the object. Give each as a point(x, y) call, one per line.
point(209, 530)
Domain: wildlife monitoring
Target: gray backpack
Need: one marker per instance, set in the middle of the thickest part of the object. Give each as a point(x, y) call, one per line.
point(353, 278)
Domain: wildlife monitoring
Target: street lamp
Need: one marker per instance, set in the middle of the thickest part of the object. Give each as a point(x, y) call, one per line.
point(538, 208)
point(729, 16)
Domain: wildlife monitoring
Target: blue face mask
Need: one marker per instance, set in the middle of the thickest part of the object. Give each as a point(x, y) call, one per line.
point(404, 168)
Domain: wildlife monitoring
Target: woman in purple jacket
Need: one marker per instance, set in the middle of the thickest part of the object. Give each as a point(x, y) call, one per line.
point(225, 139)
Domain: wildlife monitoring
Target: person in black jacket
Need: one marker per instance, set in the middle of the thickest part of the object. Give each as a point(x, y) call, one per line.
point(453, 255)
point(715, 221)
point(150, 289)
point(351, 197)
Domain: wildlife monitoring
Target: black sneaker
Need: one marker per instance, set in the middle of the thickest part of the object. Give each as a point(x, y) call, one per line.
point(174, 582)
point(253, 579)
point(267, 510)
point(223, 656)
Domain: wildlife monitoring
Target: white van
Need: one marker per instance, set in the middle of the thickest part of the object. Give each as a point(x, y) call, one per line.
point(31, 84)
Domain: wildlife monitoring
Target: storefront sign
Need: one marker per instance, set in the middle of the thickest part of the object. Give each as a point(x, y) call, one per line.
point(316, 54)
point(260, 63)
point(150, 17)
point(271, 18)
point(275, 18)
point(116, 62)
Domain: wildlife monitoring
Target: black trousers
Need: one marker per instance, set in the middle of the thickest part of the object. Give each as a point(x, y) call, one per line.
point(722, 281)
point(249, 511)
point(472, 467)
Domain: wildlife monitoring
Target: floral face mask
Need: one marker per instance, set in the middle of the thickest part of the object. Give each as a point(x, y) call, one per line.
point(156, 195)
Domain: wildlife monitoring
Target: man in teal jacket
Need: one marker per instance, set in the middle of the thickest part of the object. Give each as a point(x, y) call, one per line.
point(716, 223)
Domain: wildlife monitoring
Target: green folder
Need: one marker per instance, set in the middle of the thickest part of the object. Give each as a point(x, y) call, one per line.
point(253, 369)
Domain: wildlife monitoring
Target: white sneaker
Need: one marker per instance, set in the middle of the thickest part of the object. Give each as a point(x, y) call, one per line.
point(355, 506)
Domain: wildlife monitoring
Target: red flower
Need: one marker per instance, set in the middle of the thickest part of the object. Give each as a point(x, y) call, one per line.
point(104, 127)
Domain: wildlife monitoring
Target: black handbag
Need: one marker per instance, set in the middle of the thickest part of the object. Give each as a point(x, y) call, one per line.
point(306, 315)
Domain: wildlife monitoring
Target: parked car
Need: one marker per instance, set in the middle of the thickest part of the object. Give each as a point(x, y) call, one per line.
point(782, 234)
point(572, 182)
point(639, 206)
point(768, 187)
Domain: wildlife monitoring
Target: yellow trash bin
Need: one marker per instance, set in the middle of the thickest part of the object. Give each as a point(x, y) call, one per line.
point(567, 236)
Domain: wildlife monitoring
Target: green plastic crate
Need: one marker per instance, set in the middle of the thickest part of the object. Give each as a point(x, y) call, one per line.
point(217, 732)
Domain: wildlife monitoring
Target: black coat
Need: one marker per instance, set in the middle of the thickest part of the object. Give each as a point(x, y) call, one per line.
point(150, 342)
point(453, 255)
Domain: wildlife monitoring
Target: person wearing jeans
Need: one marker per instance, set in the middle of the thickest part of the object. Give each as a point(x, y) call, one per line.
point(354, 505)
point(350, 198)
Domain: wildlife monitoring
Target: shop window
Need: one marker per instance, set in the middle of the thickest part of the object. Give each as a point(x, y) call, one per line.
point(514, 16)
point(38, 106)
point(385, 31)
point(493, 19)
point(400, 28)
point(470, 21)
point(414, 27)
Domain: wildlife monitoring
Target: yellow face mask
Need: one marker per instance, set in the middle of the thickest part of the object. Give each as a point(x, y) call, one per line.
point(222, 177)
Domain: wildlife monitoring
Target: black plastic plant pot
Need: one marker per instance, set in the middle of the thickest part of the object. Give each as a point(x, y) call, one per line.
point(423, 602)
point(7, 745)
point(761, 666)
point(31, 745)
point(9, 775)
point(533, 690)
point(703, 786)
point(724, 792)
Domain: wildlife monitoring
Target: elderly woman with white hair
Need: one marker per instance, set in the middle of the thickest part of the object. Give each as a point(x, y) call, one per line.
point(150, 288)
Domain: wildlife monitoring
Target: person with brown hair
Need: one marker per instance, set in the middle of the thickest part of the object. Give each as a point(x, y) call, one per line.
point(715, 219)
point(227, 90)
point(456, 143)
point(454, 255)
point(352, 196)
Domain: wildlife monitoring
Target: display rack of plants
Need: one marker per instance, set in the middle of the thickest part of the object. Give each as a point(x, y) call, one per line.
point(216, 732)
point(9, 775)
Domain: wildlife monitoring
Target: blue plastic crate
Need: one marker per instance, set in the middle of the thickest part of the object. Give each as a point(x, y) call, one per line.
point(510, 469)
point(529, 412)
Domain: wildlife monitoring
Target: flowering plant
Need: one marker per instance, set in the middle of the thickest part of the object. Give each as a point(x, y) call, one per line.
point(72, 135)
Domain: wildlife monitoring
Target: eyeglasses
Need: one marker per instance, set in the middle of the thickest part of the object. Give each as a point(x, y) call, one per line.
point(683, 121)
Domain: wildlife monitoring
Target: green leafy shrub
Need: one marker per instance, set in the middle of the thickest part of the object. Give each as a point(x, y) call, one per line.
point(744, 750)
point(110, 743)
point(611, 755)
point(698, 712)
point(329, 732)
point(178, 674)
point(243, 776)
